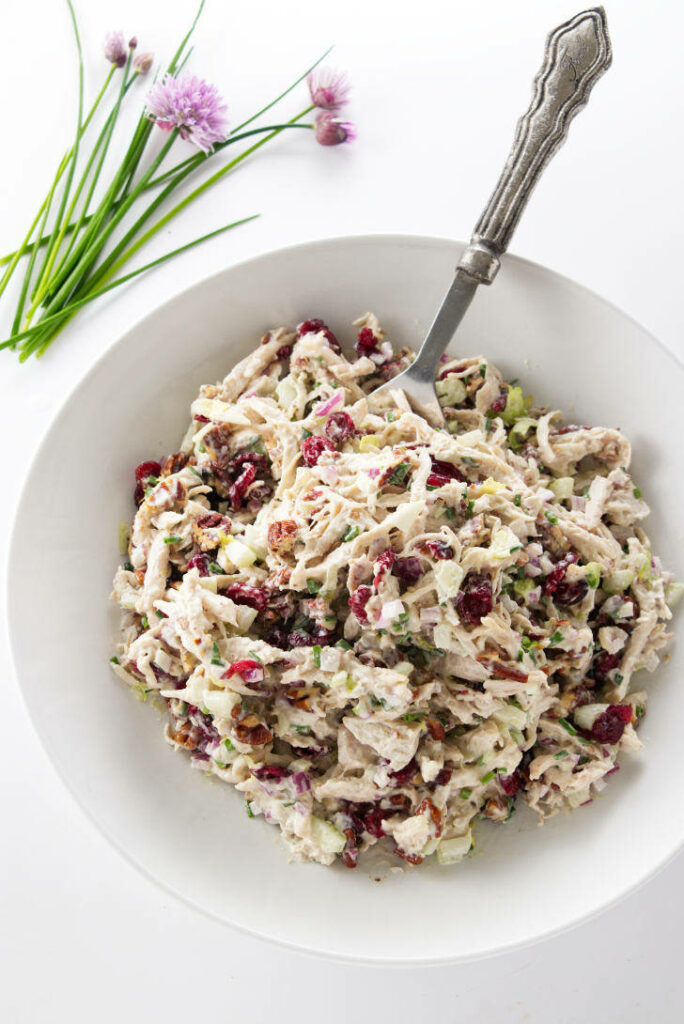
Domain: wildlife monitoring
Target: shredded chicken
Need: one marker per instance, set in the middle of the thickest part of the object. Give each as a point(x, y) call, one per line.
point(378, 630)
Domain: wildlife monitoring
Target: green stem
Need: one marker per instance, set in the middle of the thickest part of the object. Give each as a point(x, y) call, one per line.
point(84, 264)
point(51, 252)
point(14, 257)
point(177, 55)
point(75, 306)
point(101, 145)
point(115, 260)
point(283, 94)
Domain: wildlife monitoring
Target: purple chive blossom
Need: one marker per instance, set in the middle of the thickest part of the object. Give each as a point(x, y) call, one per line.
point(331, 131)
point(329, 89)
point(115, 49)
point(192, 106)
point(142, 62)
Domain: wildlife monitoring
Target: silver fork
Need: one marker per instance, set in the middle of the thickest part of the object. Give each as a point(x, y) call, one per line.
point(577, 54)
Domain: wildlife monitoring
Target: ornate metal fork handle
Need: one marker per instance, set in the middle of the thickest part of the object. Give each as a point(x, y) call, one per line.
point(577, 53)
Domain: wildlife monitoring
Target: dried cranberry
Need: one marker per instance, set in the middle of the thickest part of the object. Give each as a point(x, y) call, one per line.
point(339, 426)
point(284, 352)
point(372, 821)
point(317, 326)
point(510, 783)
point(403, 775)
point(138, 494)
point(475, 599)
point(313, 448)
point(408, 569)
point(442, 473)
point(258, 459)
point(603, 664)
point(366, 342)
point(384, 561)
point(440, 549)
point(258, 495)
point(609, 726)
point(250, 670)
point(200, 561)
point(147, 469)
point(443, 777)
point(450, 370)
point(201, 419)
point(499, 403)
point(242, 593)
point(298, 638)
point(557, 574)
point(358, 600)
point(237, 491)
point(570, 593)
point(277, 637)
point(270, 771)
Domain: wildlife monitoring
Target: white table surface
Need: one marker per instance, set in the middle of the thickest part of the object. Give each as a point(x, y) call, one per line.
point(437, 88)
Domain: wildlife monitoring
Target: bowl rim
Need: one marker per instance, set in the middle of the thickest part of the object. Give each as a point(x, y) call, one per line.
point(368, 239)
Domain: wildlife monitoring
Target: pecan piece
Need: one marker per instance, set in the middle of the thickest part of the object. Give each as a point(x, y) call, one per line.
point(175, 463)
point(282, 536)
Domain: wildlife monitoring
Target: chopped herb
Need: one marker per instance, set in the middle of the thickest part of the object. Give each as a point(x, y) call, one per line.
point(144, 622)
point(513, 382)
point(160, 615)
point(637, 492)
point(201, 448)
point(488, 777)
point(399, 475)
point(518, 547)
point(555, 638)
point(197, 472)
point(391, 416)
point(560, 755)
point(304, 730)
point(517, 500)
point(114, 660)
point(305, 433)
point(483, 369)
point(128, 567)
point(215, 568)
point(317, 655)
point(639, 710)
point(480, 761)
point(173, 540)
point(220, 764)
point(511, 808)
point(350, 533)
point(525, 643)
point(344, 645)
point(313, 586)
point(450, 513)
point(215, 654)
point(618, 678)
point(228, 744)
point(583, 760)
point(585, 492)
point(414, 716)
point(250, 812)
point(551, 516)
point(468, 461)
point(567, 726)
point(465, 793)
point(469, 509)
point(290, 803)
point(430, 487)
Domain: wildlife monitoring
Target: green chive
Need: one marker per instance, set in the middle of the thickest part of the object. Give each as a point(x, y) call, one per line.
point(114, 660)
point(551, 516)
point(216, 654)
point(160, 615)
point(391, 416)
point(468, 461)
point(313, 586)
point(128, 567)
point(560, 755)
point(525, 643)
point(450, 513)
point(350, 533)
point(517, 500)
point(305, 433)
point(254, 655)
point(304, 730)
point(343, 645)
point(567, 726)
point(317, 655)
point(399, 475)
point(173, 540)
point(637, 492)
point(639, 710)
point(250, 812)
point(228, 744)
point(144, 622)
point(618, 678)
point(414, 716)
point(215, 568)
point(465, 793)
point(290, 803)
point(469, 510)
point(480, 761)
point(555, 638)
point(483, 369)
point(488, 777)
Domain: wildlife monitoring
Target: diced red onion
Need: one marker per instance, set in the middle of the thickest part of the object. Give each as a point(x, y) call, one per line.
point(323, 408)
point(431, 616)
point(301, 782)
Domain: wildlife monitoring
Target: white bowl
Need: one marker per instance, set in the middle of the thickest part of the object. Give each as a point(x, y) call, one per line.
point(573, 351)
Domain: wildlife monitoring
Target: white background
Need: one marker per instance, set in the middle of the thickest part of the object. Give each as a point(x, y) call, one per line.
point(437, 89)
